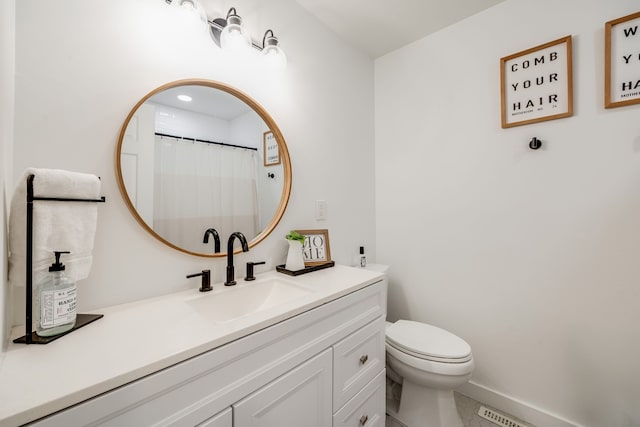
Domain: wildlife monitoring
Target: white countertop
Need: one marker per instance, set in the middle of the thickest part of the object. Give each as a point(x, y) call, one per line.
point(136, 339)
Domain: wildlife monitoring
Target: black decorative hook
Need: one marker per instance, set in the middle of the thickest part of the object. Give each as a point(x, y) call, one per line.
point(535, 143)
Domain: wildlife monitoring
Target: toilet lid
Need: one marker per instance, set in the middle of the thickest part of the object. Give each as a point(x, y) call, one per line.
point(427, 341)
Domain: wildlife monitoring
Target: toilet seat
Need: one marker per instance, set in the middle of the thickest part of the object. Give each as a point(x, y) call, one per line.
point(427, 342)
point(429, 366)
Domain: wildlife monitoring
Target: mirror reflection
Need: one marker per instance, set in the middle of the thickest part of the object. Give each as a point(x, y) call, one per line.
point(199, 159)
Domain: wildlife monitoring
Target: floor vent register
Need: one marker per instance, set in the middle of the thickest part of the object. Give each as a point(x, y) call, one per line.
point(498, 418)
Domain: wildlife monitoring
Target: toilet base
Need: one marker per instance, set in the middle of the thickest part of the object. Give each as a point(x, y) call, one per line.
point(425, 407)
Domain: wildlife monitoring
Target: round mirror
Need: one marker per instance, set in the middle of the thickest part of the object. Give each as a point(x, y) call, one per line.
point(198, 160)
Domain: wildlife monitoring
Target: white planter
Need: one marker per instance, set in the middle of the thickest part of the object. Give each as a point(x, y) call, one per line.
point(295, 261)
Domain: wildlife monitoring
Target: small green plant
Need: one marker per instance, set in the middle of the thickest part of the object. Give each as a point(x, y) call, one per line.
point(294, 235)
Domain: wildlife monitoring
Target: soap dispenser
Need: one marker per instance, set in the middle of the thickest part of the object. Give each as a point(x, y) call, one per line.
point(56, 300)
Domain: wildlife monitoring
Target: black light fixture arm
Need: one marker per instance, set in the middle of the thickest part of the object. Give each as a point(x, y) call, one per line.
point(264, 38)
point(232, 12)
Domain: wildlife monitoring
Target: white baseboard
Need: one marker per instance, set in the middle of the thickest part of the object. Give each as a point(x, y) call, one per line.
point(515, 407)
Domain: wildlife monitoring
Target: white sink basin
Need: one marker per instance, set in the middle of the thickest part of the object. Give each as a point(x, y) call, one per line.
point(245, 298)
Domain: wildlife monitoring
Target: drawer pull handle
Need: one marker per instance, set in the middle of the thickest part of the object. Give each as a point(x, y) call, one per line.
point(363, 420)
point(363, 360)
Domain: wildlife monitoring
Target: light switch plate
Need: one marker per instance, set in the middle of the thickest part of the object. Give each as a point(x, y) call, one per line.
point(321, 210)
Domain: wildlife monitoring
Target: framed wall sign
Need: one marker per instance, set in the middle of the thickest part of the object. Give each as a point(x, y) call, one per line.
point(270, 149)
point(622, 61)
point(537, 84)
point(315, 249)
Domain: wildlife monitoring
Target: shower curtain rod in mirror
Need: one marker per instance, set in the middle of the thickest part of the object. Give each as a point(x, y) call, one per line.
point(184, 138)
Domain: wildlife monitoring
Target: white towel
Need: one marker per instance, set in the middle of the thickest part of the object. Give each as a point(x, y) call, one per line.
point(57, 226)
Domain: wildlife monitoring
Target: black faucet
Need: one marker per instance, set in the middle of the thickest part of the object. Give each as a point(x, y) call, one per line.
point(216, 239)
point(245, 248)
point(206, 280)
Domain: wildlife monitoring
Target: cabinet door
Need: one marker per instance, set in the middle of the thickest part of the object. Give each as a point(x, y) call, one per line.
point(301, 397)
point(222, 419)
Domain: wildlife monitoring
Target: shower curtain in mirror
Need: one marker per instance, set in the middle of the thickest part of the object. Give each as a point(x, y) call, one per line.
point(198, 186)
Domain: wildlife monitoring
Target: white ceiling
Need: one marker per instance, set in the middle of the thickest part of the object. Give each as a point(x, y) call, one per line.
point(205, 100)
point(381, 26)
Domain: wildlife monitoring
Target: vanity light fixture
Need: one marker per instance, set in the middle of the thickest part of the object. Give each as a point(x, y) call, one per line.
point(229, 33)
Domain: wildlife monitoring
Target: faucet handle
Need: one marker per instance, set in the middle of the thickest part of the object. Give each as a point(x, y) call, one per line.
point(206, 280)
point(250, 265)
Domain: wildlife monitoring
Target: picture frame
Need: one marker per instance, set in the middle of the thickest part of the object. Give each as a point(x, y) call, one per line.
point(537, 84)
point(316, 249)
point(622, 63)
point(270, 150)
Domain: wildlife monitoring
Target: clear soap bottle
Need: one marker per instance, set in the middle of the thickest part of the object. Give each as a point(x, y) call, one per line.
point(56, 301)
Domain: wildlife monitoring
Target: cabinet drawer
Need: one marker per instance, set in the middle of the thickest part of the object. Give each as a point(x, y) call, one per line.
point(223, 419)
point(367, 408)
point(357, 359)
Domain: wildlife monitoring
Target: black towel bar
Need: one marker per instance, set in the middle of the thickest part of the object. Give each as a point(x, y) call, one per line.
point(30, 337)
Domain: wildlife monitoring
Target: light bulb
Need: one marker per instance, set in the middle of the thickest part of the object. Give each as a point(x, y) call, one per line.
point(276, 58)
point(234, 37)
point(273, 53)
point(188, 4)
point(192, 8)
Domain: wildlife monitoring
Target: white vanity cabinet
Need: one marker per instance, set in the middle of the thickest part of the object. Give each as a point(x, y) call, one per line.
point(322, 367)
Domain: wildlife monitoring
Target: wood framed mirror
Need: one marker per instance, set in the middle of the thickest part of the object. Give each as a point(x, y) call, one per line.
point(191, 157)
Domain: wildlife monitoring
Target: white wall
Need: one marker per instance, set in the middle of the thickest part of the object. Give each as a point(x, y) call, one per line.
point(530, 256)
point(81, 67)
point(7, 72)
point(189, 124)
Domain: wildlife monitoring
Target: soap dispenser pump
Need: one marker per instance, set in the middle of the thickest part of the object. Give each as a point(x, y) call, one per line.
point(56, 299)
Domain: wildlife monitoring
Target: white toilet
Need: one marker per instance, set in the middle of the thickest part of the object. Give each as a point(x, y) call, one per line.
point(430, 363)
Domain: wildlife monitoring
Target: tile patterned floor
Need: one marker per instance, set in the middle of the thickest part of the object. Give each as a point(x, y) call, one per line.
point(468, 410)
